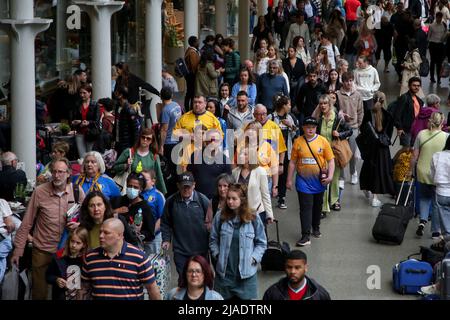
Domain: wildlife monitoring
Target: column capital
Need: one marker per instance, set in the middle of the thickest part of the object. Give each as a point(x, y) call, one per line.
point(15, 27)
point(93, 7)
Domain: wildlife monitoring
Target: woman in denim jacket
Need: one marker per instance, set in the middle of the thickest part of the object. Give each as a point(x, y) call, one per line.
point(237, 243)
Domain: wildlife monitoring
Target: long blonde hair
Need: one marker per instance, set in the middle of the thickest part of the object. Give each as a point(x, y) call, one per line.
point(377, 111)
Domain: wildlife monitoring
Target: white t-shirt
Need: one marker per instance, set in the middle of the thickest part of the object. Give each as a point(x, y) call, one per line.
point(331, 58)
point(5, 211)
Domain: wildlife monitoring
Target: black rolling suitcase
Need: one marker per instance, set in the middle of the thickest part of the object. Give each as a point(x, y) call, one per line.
point(444, 275)
point(392, 221)
point(276, 252)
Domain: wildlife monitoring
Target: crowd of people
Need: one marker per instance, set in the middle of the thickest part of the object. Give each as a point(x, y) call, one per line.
point(201, 182)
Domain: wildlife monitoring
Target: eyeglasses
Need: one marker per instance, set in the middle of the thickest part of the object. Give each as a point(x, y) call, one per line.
point(149, 138)
point(55, 172)
point(197, 271)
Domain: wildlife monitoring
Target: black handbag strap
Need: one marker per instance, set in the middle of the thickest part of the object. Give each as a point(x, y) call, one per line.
point(309, 147)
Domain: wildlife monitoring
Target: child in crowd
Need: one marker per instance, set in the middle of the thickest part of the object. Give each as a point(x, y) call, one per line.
point(57, 274)
point(156, 200)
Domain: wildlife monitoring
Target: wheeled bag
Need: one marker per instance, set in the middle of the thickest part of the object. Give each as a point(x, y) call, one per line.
point(445, 278)
point(392, 221)
point(410, 275)
point(275, 254)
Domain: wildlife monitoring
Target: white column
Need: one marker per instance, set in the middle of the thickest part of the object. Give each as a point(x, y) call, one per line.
point(262, 7)
point(61, 33)
point(23, 28)
point(190, 20)
point(153, 49)
point(100, 13)
point(244, 22)
point(221, 17)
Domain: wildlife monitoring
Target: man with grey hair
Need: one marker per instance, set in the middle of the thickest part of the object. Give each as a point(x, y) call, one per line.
point(116, 259)
point(45, 219)
point(10, 176)
point(271, 84)
point(432, 102)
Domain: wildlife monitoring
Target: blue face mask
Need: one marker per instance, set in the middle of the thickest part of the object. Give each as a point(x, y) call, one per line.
point(132, 193)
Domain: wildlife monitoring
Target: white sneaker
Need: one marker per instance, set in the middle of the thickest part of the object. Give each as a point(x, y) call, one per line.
point(354, 178)
point(376, 203)
point(341, 184)
point(429, 290)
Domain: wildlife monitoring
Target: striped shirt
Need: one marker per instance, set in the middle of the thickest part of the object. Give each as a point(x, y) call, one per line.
point(118, 278)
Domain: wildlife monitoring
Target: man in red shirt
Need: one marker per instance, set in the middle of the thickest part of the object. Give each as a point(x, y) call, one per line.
point(296, 285)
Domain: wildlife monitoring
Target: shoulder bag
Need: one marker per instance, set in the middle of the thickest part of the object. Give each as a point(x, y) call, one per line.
point(121, 179)
point(341, 150)
point(323, 172)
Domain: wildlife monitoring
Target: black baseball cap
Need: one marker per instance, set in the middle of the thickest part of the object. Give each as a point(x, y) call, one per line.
point(310, 121)
point(186, 179)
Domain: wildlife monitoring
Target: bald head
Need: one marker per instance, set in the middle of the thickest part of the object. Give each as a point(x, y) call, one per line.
point(111, 235)
point(249, 64)
point(115, 225)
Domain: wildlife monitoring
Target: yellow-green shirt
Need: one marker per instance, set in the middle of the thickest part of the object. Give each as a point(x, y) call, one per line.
point(94, 237)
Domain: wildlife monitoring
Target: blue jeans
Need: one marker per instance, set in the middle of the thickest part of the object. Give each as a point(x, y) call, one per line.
point(443, 209)
point(427, 205)
point(5, 249)
point(153, 246)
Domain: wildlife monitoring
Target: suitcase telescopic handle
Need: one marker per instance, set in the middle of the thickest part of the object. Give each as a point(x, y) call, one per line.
point(401, 189)
point(278, 231)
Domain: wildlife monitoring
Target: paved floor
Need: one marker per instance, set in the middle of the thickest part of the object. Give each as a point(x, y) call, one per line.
point(340, 259)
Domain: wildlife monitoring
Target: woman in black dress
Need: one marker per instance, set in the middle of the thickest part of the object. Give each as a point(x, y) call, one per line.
point(376, 171)
point(261, 31)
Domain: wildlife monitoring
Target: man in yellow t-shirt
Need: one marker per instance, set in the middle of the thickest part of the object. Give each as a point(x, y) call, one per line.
point(271, 134)
point(313, 159)
point(197, 117)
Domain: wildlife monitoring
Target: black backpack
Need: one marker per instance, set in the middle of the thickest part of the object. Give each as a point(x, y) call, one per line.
point(181, 69)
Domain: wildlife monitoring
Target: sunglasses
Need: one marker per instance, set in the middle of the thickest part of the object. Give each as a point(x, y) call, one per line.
point(149, 138)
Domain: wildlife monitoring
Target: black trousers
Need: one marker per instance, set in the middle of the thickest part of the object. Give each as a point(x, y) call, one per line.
point(171, 183)
point(437, 56)
point(190, 92)
point(387, 53)
point(310, 211)
point(400, 52)
point(283, 178)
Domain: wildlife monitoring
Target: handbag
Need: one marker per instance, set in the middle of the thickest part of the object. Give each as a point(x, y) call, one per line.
point(341, 150)
point(121, 179)
point(424, 68)
point(445, 69)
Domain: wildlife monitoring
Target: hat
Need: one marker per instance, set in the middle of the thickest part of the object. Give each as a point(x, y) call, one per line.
point(310, 121)
point(186, 179)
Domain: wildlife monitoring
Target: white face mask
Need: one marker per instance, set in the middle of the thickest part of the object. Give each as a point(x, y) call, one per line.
point(132, 193)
